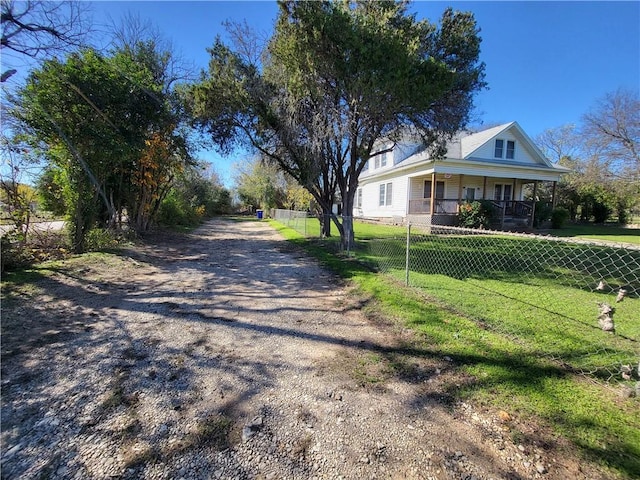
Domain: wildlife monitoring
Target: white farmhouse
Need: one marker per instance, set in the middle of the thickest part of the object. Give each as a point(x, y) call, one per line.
point(494, 164)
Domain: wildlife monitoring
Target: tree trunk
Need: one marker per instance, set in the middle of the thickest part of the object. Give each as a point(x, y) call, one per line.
point(347, 239)
point(325, 222)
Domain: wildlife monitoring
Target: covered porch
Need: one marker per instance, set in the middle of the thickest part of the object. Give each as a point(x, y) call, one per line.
point(440, 195)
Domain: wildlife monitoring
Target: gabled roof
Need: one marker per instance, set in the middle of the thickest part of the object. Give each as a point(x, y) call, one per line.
point(470, 143)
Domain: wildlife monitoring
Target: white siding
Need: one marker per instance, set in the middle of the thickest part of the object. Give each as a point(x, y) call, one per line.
point(371, 196)
point(522, 155)
point(450, 186)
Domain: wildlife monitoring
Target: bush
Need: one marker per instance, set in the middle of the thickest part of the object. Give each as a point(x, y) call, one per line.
point(98, 239)
point(543, 213)
point(475, 215)
point(16, 254)
point(175, 211)
point(601, 212)
point(559, 216)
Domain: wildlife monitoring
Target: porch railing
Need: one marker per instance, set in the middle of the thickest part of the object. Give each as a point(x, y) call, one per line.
point(502, 209)
point(512, 208)
point(441, 206)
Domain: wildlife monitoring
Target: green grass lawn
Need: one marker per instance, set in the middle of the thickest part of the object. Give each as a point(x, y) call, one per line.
point(310, 227)
point(518, 316)
point(599, 232)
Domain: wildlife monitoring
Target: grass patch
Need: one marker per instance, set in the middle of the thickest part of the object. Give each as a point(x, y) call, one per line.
point(526, 343)
point(212, 431)
point(611, 233)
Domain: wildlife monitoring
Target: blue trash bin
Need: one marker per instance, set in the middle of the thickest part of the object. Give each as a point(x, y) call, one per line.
point(259, 214)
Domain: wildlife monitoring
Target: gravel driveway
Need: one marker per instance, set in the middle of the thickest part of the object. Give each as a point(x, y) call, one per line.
point(229, 354)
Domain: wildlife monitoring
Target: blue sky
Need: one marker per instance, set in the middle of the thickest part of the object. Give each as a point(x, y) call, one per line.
point(547, 63)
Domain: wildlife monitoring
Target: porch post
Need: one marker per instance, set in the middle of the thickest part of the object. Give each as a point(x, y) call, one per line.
point(553, 194)
point(535, 195)
point(460, 193)
point(432, 207)
point(484, 189)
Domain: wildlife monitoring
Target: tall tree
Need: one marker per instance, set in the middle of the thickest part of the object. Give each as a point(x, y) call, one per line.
point(612, 131)
point(110, 126)
point(35, 28)
point(339, 77)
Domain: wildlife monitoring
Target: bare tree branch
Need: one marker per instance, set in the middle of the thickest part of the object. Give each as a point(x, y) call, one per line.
point(35, 28)
point(612, 130)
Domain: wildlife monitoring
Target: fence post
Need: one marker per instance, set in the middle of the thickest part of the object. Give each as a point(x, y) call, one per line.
point(348, 238)
point(406, 266)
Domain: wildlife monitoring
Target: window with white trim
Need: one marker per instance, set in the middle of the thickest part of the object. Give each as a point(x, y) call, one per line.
point(439, 190)
point(380, 159)
point(359, 198)
point(502, 151)
point(502, 191)
point(386, 194)
point(511, 149)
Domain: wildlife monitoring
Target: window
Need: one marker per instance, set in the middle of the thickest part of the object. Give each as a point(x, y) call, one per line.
point(502, 192)
point(511, 149)
point(380, 160)
point(359, 198)
point(439, 189)
point(386, 194)
point(507, 192)
point(470, 194)
point(499, 151)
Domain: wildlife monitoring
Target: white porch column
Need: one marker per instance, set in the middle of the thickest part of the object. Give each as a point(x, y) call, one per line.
point(533, 208)
point(432, 207)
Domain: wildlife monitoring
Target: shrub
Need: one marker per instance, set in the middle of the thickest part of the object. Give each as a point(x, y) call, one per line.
point(542, 214)
point(559, 216)
point(98, 239)
point(475, 215)
point(601, 212)
point(176, 211)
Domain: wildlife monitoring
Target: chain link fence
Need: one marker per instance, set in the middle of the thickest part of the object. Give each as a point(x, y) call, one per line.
point(572, 301)
point(576, 302)
point(296, 220)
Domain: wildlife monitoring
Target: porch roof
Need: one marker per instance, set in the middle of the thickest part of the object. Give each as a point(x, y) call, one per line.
point(471, 167)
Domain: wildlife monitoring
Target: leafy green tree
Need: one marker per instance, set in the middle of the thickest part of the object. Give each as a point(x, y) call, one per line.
point(338, 77)
point(260, 185)
point(69, 107)
point(50, 187)
point(192, 198)
point(111, 124)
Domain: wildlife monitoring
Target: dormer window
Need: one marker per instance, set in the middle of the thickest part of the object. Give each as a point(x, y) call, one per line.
point(380, 158)
point(511, 149)
point(499, 151)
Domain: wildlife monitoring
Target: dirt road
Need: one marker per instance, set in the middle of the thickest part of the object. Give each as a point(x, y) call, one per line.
point(229, 354)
